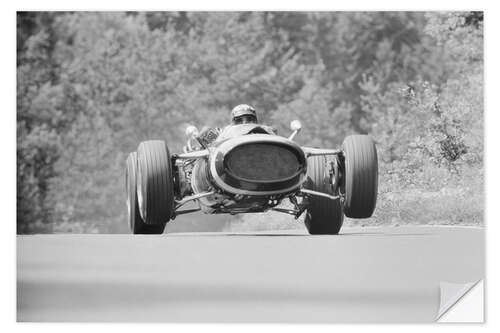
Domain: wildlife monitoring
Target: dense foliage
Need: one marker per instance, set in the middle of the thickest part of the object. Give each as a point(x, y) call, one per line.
point(90, 86)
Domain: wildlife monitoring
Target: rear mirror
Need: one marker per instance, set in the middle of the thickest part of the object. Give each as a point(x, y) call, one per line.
point(191, 131)
point(295, 125)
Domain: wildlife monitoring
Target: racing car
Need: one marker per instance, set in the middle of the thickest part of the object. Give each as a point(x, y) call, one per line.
point(249, 168)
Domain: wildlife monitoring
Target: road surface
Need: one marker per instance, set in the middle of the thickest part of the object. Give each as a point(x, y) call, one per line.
point(364, 275)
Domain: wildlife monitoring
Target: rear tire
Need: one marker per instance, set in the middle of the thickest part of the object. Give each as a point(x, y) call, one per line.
point(135, 221)
point(360, 176)
point(324, 216)
point(155, 185)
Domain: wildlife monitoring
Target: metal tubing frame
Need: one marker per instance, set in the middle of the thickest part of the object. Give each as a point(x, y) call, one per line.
point(293, 212)
point(195, 154)
point(320, 152)
point(319, 194)
point(185, 200)
point(187, 211)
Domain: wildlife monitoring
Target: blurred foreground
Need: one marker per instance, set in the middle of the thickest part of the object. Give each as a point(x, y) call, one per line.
point(362, 275)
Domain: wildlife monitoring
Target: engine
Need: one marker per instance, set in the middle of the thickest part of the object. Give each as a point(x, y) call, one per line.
point(200, 183)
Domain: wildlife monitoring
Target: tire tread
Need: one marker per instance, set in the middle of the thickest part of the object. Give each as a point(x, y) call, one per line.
point(136, 223)
point(156, 170)
point(361, 173)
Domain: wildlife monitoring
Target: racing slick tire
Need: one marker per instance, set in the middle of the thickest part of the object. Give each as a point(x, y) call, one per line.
point(135, 221)
point(324, 216)
point(360, 181)
point(155, 185)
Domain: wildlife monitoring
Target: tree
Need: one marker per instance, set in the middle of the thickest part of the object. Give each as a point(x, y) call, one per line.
point(37, 139)
point(92, 85)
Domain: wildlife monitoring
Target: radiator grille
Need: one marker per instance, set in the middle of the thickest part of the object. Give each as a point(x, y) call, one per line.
point(262, 162)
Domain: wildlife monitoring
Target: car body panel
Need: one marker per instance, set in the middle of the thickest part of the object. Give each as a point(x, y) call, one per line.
point(224, 178)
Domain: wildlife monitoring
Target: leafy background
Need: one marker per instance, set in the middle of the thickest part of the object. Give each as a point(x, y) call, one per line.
point(92, 85)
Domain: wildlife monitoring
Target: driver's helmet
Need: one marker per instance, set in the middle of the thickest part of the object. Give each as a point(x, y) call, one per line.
point(243, 114)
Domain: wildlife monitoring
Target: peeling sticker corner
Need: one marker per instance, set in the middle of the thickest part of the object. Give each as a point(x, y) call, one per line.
point(461, 302)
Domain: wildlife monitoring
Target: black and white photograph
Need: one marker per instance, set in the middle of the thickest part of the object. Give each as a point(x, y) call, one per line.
point(284, 167)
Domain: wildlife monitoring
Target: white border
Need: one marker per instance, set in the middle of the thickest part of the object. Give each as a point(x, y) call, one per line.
point(8, 140)
point(228, 5)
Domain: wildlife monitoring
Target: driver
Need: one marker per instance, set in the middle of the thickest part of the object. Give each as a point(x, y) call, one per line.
point(243, 121)
point(243, 114)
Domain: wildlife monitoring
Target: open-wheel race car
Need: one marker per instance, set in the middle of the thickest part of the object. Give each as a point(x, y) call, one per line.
point(248, 168)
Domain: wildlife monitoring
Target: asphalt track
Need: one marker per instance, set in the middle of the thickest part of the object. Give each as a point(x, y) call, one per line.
point(362, 275)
